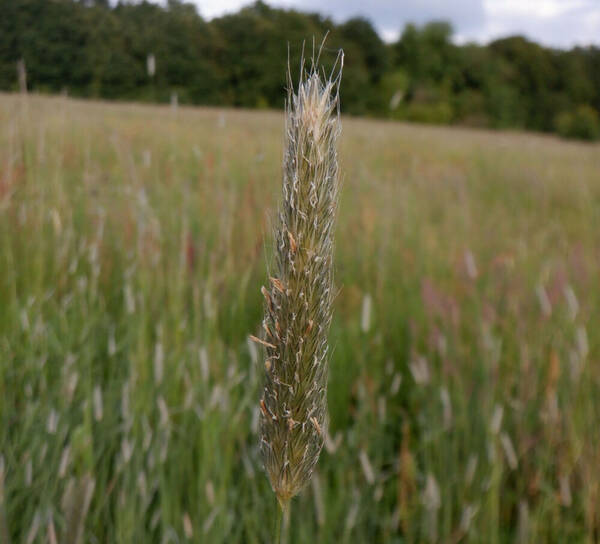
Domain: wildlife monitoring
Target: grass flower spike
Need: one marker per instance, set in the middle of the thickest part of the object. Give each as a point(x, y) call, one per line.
point(299, 297)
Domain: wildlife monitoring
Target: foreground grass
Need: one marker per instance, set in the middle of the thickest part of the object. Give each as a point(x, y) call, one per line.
point(464, 385)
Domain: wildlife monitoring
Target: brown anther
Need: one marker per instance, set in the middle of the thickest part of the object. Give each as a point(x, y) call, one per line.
point(314, 421)
point(268, 365)
point(255, 339)
point(267, 330)
point(265, 410)
point(309, 327)
point(267, 298)
point(293, 245)
point(278, 285)
point(291, 423)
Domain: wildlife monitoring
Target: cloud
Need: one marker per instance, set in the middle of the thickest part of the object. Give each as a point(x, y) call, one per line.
point(561, 23)
point(216, 8)
point(390, 16)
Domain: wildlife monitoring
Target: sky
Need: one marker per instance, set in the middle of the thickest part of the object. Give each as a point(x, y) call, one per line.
point(556, 23)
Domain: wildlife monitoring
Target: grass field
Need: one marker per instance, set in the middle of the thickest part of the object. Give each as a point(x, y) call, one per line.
point(464, 390)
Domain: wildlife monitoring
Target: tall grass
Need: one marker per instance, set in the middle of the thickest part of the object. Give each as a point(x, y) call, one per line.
point(298, 304)
point(465, 404)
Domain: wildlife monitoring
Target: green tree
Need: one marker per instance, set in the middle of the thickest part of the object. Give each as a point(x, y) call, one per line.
point(98, 48)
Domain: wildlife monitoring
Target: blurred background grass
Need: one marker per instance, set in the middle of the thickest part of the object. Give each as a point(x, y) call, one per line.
point(464, 387)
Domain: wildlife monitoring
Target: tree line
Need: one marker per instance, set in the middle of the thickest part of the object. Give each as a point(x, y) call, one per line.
point(144, 51)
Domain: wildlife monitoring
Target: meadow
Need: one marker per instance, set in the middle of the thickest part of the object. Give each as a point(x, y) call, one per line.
point(464, 386)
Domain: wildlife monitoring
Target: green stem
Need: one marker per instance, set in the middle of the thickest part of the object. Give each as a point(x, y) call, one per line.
point(278, 524)
point(286, 523)
point(282, 523)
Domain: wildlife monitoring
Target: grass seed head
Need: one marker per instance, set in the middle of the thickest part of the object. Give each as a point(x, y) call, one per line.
point(298, 303)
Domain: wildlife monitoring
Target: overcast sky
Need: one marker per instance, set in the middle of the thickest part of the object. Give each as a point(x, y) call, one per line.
point(560, 23)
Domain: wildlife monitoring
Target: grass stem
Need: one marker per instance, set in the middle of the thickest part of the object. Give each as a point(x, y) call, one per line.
point(282, 522)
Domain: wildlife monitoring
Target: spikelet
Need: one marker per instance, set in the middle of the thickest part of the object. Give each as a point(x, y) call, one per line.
point(298, 302)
